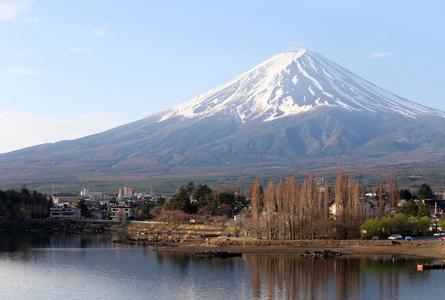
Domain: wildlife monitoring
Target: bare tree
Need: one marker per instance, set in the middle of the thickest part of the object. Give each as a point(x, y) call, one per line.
point(269, 207)
point(255, 192)
point(297, 211)
point(393, 192)
point(381, 201)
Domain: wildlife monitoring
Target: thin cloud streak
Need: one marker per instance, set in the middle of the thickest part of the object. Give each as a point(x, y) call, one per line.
point(96, 31)
point(11, 9)
point(21, 71)
point(79, 49)
point(381, 54)
point(293, 46)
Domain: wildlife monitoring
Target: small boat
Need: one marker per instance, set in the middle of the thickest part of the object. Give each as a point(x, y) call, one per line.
point(421, 267)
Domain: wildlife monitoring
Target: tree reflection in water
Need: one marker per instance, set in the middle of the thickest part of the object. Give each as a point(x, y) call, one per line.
point(33, 263)
point(286, 276)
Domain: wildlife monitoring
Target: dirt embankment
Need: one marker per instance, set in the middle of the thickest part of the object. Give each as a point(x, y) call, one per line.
point(428, 249)
point(198, 238)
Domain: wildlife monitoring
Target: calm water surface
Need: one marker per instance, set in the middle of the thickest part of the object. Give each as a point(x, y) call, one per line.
point(39, 266)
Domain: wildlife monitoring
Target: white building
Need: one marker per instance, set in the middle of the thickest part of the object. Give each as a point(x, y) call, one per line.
point(439, 192)
point(64, 213)
point(92, 194)
point(119, 213)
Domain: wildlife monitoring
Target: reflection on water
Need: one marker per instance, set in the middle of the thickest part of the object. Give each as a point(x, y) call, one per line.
point(293, 277)
point(36, 266)
point(13, 242)
point(286, 276)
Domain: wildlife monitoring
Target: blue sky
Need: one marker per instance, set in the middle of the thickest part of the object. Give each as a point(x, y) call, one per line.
point(73, 68)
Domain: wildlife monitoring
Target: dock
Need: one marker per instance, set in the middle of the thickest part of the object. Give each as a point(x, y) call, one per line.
point(421, 267)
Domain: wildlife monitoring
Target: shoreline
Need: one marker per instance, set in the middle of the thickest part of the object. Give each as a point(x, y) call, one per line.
point(192, 242)
point(192, 239)
point(421, 249)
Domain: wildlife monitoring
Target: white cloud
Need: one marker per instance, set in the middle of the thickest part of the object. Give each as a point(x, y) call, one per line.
point(99, 31)
point(20, 129)
point(11, 9)
point(20, 71)
point(96, 31)
point(79, 49)
point(293, 46)
point(381, 54)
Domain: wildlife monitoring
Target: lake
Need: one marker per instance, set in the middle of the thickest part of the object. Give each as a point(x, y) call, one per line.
point(82, 266)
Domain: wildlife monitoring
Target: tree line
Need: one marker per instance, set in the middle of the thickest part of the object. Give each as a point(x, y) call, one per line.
point(289, 210)
point(286, 209)
point(199, 202)
point(401, 223)
point(22, 204)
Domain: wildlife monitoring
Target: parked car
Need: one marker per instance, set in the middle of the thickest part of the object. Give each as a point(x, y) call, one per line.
point(375, 238)
point(442, 238)
point(409, 238)
point(395, 237)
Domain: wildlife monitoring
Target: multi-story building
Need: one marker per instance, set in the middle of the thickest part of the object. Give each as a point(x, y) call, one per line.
point(92, 194)
point(119, 213)
point(438, 192)
point(65, 198)
point(63, 213)
point(126, 192)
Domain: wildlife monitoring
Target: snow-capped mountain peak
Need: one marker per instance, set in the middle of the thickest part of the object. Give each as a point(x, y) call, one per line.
point(290, 83)
point(260, 122)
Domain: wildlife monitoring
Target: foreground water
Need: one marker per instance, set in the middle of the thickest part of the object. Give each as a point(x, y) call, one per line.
point(37, 266)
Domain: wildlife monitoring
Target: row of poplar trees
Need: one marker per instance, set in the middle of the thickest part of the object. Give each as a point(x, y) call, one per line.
point(289, 210)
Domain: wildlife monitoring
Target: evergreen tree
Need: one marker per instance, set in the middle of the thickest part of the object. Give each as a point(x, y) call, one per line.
point(203, 195)
point(181, 201)
point(424, 192)
point(423, 210)
point(405, 194)
point(83, 208)
point(160, 202)
point(410, 208)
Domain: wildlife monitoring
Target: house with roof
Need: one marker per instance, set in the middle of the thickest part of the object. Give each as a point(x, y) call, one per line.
point(119, 213)
point(65, 198)
point(371, 207)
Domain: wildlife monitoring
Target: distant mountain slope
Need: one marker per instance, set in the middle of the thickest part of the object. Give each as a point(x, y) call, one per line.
point(292, 108)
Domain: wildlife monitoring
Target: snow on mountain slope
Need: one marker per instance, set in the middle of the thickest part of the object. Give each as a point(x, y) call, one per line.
point(211, 135)
point(290, 83)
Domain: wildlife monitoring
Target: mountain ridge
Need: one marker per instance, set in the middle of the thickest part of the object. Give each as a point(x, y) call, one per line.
point(294, 109)
point(287, 70)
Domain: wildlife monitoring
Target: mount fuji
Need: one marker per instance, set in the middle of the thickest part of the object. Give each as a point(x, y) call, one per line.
point(294, 110)
point(291, 83)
